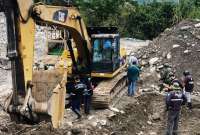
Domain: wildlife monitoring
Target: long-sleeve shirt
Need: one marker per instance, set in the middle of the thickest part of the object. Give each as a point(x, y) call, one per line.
point(132, 59)
point(133, 73)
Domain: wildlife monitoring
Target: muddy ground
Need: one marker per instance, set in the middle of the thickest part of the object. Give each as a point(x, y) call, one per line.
point(143, 114)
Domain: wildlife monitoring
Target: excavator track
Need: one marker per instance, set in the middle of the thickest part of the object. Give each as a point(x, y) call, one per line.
point(108, 92)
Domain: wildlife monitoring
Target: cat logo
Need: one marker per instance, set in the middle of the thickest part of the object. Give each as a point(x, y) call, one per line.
point(60, 15)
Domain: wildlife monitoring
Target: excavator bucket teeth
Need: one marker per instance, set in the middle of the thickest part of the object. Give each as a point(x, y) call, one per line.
point(57, 106)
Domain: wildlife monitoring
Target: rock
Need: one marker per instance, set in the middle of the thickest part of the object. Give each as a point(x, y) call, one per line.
point(122, 112)
point(69, 133)
point(197, 25)
point(145, 110)
point(146, 90)
point(113, 133)
point(91, 117)
point(154, 87)
point(176, 46)
point(187, 51)
point(103, 122)
point(160, 67)
point(94, 123)
point(169, 55)
point(185, 36)
point(164, 54)
point(140, 133)
point(152, 69)
point(111, 115)
point(149, 122)
point(156, 116)
point(185, 27)
point(193, 45)
point(198, 50)
point(114, 109)
point(198, 83)
point(69, 123)
point(144, 56)
point(152, 133)
point(143, 63)
point(153, 61)
point(180, 36)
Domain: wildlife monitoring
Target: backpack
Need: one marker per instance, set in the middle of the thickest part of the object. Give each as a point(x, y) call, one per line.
point(189, 84)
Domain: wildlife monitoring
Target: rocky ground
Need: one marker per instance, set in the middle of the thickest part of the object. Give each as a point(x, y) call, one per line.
point(143, 114)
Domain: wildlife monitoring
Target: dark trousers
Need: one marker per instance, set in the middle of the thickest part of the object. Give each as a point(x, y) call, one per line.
point(87, 103)
point(76, 103)
point(172, 123)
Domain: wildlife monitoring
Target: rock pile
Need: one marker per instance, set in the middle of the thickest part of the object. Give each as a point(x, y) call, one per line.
point(179, 46)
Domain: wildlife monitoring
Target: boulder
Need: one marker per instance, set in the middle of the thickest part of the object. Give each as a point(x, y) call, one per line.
point(187, 51)
point(153, 61)
point(156, 116)
point(197, 25)
point(185, 27)
point(176, 46)
point(169, 55)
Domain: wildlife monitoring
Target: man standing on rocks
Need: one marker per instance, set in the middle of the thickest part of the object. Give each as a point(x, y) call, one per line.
point(175, 99)
point(165, 76)
point(188, 83)
point(76, 96)
point(133, 74)
point(132, 59)
point(87, 95)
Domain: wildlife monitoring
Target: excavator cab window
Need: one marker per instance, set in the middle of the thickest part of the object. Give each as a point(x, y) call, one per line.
point(105, 54)
point(102, 50)
point(55, 48)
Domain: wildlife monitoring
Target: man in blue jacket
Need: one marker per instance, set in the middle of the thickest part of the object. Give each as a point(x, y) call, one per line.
point(133, 74)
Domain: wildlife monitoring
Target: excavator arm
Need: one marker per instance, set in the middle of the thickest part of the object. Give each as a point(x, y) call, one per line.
point(21, 16)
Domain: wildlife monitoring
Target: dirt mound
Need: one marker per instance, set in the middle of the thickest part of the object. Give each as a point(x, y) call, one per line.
point(179, 46)
point(139, 116)
point(147, 116)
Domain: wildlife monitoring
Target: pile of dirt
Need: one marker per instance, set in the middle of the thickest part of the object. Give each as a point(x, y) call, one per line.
point(179, 46)
point(138, 115)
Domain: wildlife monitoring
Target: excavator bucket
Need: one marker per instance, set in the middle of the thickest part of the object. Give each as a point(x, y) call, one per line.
point(49, 94)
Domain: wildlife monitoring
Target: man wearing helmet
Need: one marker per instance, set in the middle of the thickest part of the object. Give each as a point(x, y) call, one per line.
point(175, 99)
point(188, 83)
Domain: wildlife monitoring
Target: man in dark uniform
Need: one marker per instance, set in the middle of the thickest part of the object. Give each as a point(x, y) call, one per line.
point(188, 83)
point(175, 99)
point(87, 94)
point(76, 96)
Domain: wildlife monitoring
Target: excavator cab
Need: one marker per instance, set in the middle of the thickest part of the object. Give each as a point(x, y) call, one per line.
point(106, 50)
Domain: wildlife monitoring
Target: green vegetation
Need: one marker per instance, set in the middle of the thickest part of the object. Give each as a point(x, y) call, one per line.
point(138, 21)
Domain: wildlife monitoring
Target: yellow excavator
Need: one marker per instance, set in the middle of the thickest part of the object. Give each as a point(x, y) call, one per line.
point(39, 94)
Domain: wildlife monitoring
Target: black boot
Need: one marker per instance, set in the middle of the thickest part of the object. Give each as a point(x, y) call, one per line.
point(189, 105)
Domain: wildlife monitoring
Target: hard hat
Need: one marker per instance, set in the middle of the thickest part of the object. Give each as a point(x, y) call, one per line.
point(186, 72)
point(176, 86)
point(166, 65)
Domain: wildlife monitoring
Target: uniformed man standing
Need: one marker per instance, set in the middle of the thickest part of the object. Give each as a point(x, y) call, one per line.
point(175, 99)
